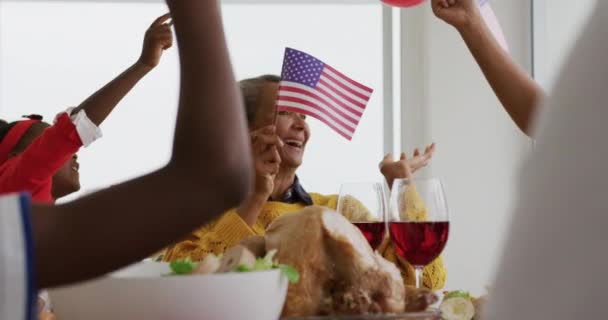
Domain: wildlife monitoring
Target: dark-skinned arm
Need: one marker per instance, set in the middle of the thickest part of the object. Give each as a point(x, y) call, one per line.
point(209, 171)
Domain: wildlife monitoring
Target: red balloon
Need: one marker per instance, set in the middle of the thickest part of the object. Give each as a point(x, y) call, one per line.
point(403, 3)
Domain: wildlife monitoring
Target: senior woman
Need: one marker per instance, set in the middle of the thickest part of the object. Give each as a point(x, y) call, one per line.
point(278, 149)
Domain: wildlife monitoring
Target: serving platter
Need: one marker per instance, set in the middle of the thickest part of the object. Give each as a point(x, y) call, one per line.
point(427, 315)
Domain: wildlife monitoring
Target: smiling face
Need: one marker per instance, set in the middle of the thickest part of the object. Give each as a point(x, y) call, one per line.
point(291, 127)
point(67, 179)
point(294, 132)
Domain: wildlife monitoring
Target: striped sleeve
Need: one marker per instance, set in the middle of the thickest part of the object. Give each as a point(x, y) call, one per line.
point(17, 289)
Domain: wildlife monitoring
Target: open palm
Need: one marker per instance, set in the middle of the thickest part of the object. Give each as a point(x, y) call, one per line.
point(421, 160)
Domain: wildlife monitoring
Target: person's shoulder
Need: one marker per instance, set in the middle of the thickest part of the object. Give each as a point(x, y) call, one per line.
point(14, 202)
point(324, 200)
point(7, 166)
point(316, 195)
point(16, 255)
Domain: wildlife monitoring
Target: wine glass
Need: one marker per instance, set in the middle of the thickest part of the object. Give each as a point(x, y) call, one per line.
point(418, 222)
point(364, 204)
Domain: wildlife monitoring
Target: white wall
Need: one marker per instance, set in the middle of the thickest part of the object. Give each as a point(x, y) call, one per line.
point(479, 148)
point(54, 55)
point(560, 22)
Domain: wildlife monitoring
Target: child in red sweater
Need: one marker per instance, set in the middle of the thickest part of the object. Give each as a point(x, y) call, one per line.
point(40, 158)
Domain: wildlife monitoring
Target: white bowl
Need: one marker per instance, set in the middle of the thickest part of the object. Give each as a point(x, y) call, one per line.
point(141, 292)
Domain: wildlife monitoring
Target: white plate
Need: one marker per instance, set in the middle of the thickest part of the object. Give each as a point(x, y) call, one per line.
point(141, 292)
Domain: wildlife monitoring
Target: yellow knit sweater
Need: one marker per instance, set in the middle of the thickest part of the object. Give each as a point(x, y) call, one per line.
point(230, 229)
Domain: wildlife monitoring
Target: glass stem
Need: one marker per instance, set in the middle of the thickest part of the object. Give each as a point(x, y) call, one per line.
point(419, 270)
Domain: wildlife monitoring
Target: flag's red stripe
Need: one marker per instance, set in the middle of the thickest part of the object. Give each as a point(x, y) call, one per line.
point(324, 101)
point(345, 87)
point(316, 116)
point(351, 81)
point(287, 87)
point(306, 112)
point(333, 93)
point(323, 110)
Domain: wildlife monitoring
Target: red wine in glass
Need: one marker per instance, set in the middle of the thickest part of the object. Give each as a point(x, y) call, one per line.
point(419, 242)
point(419, 221)
point(374, 232)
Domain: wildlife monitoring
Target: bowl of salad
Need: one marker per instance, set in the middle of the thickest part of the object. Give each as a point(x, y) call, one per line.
point(236, 286)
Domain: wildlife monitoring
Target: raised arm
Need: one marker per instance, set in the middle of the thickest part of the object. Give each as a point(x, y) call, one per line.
point(518, 93)
point(157, 39)
point(55, 146)
point(209, 172)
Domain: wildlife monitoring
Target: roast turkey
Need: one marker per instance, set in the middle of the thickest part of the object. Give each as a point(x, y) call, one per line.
point(339, 271)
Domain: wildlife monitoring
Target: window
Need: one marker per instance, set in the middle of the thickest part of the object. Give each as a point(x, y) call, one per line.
point(81, 46)
point(257, 36)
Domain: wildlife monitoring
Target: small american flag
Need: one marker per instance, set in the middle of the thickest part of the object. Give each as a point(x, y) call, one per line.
point(309, 86)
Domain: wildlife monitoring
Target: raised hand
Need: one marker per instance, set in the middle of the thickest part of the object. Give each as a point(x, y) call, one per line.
point(419, 161)
point(457, 13)
point(392, 169)
point(404, 168)
point(158, 38)
point(265, 145)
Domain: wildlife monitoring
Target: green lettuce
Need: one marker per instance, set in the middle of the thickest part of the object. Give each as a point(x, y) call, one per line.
point(267, 263)
point(187, 266)
point(457, 294)
point(182, 266)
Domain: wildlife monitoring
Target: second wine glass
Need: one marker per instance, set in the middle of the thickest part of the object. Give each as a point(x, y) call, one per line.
point(419, 221)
